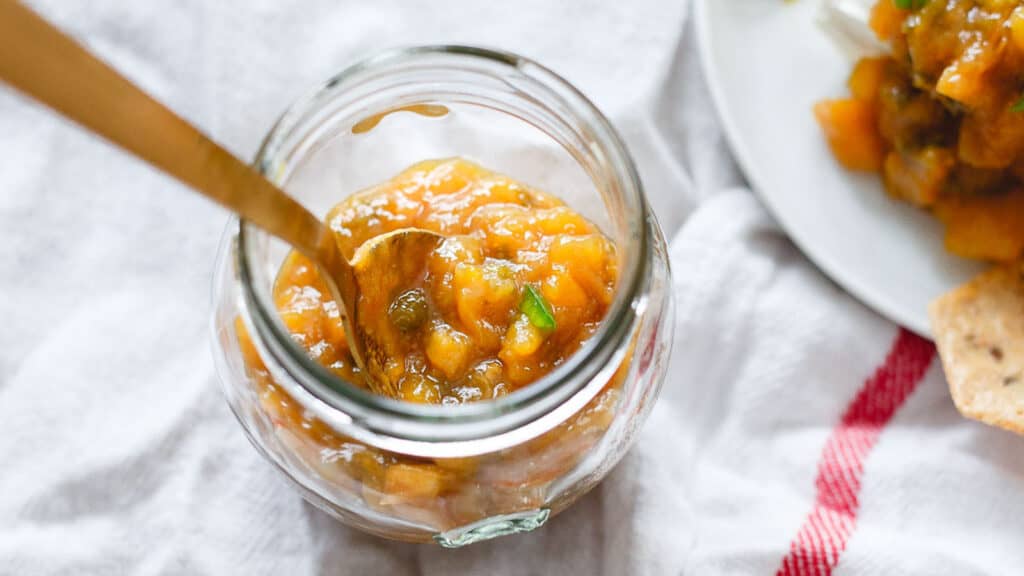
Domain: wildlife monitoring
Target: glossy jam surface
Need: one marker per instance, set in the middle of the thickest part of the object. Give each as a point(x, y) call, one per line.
point(518, 284)
point(942, 118)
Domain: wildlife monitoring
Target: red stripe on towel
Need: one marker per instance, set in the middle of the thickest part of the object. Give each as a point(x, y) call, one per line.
point(820, 541)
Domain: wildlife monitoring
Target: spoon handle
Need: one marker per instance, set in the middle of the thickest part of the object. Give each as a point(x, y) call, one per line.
point(44, 63)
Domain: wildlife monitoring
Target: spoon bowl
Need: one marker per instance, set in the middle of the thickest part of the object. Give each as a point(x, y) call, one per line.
point(384, 267)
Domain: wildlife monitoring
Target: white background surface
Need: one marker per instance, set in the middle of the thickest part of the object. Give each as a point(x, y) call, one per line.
point(119, 456)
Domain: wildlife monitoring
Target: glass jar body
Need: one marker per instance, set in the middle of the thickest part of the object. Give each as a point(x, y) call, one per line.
point(459, 491)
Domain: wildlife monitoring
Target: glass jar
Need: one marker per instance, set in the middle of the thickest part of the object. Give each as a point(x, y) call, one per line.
point(464, 473)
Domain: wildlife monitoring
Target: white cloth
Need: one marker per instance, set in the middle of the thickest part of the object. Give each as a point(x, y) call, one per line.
point(120, 457)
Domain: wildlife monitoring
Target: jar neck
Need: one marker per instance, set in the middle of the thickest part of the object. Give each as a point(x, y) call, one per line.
point(407, 77)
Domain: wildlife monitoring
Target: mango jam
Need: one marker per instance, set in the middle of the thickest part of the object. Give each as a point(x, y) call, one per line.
point(941, 118)
point(518, 284)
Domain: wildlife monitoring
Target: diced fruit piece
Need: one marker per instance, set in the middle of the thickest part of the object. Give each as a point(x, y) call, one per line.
point(570, 302)
point(1017, 29)
point(521, 371)
point(959, 82)
point(370, 466)
point(485, 292)
point(297, 270)
point(505, 228)
point(907, 117)
point(887, 19)
point(989, 227)
point(453, 251)
point(522, 339)
point(590, 260)
point(562, 291)
point(866, 79)
point(446, 179)
point(448, 349)
point(991, 141)
point(997, 5)
point(562, 220)
point(501, 190)
point(850, 127)
point(919, 175)
point(964, 79)
point(483, 380)
point(307, 325)
point(453, 175)
point(416, 388)
point(410, 481)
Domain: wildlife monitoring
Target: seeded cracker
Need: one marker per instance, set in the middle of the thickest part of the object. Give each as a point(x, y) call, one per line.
point(979, 331)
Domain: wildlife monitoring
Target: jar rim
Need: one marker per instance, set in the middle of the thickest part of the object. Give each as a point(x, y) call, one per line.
point(417, 424)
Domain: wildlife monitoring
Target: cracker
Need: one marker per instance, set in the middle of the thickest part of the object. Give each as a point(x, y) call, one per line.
point(979, 332)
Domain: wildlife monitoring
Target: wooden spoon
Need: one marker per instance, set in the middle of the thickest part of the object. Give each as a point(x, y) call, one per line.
point(47, 65)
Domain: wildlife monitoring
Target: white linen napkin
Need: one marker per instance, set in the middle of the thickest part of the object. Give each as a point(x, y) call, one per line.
point(798, 432)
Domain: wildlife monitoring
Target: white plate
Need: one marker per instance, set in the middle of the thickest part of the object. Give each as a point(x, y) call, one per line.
point(767, 63)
